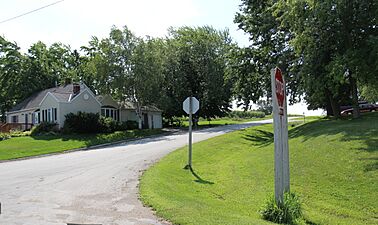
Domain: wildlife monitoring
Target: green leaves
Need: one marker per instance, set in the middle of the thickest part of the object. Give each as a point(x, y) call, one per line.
point(315, 43)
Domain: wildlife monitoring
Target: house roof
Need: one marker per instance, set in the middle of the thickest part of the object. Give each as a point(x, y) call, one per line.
point(65, 94)
point(61, 93)
point(125, 104)
point(130, 105)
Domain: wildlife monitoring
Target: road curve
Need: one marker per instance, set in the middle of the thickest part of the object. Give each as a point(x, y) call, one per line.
point(89, 187)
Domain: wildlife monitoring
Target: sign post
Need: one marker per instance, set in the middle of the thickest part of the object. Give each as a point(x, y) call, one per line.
point(190, 106)
point(281, 147)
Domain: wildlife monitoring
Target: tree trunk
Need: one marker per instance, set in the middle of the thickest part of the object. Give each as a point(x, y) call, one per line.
point(335, 106)
point(329, 108)
point(138, 112)
point(353, 86)
point(139, 123)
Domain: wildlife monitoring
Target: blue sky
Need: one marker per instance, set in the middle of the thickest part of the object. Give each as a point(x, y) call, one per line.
point(73, 22)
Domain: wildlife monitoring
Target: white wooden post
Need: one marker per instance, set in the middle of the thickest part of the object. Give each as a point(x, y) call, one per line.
point(281, 147)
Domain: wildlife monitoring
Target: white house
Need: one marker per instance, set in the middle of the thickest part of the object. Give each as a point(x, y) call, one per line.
point(53, 104)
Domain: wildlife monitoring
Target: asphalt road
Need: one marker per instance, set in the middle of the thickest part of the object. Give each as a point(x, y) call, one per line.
point(88, 187)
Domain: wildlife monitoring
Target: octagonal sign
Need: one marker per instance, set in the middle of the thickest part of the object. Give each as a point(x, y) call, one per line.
point(195, 105)
point(280, 90)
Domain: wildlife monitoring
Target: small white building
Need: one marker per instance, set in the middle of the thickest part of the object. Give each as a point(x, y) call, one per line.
point(53, 104)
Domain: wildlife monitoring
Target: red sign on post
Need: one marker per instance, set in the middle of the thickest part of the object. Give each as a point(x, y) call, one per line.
point(280, 90)
point(281, 144)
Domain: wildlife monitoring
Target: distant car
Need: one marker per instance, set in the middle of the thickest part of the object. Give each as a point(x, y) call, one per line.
point(363, 108)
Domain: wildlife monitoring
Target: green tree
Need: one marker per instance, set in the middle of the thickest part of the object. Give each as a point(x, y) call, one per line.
point(146, 85)
point(196, 65)
point(248, 84)
point(269, 48)
point(127, 67)
point(11, 76)
point(334, 42)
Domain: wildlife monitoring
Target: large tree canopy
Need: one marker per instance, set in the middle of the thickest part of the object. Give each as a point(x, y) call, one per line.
point(326, 48)
point(197, 66)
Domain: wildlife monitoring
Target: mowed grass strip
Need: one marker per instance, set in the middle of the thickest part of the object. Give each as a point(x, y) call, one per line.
point(224, 121)
point(19, 147)
point(334, 170)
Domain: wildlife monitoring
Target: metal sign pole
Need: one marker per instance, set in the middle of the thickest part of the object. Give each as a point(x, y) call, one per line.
point(190, 131)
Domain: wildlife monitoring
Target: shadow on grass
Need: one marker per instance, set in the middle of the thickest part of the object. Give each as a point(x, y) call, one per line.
point(371, 166)
point(260, 137)
point(364, 129)
point(199, 179)
point(309, 222)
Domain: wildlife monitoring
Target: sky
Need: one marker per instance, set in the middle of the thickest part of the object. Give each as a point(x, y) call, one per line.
point(74, 22)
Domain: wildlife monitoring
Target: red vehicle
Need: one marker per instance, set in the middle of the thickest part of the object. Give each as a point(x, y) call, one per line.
point(363, 108)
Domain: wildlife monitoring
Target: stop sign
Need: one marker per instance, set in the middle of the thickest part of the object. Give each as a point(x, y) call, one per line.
point(280, 90)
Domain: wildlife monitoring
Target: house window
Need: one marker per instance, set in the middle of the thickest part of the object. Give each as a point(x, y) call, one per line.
point(44, 115)
point(110, 112)
point(14, 119)
point(55, 114)
point(49, 119)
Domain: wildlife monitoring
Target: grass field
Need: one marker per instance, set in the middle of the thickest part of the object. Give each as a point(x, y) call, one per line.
point(334, 170)
point(223, 121)
point(19, 147)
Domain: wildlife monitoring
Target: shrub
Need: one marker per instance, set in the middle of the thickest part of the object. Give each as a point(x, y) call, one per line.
point(132, 125)
point(286, 212)
point(172, 122)
point(109, 125)
point(4, 136)
point(246, 114)
point(44, 128)
point(83, 122)
point(17, 133)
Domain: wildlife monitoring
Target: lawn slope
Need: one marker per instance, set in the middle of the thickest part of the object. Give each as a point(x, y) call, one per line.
point(334, 169)
point(20, 147)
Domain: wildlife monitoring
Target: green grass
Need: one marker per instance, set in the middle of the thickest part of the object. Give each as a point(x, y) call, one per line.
point(19, 147)
point(223, 121)
point(334, 170)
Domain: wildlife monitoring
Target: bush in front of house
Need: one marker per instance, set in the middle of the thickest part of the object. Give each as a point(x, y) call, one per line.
point(44, 128)
point(18, 133)
point(83, 122)
point(110, 125)
point(131, 125)
point(4, 136)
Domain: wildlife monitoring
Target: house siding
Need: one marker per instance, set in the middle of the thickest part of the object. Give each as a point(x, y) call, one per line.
point(157, 120)
point(21, 116)
point(78, 104)
point(56, 105)
point(49, 102)
point(128, 114)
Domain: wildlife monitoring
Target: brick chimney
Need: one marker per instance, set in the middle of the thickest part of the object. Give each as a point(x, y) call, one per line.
point(76, 89)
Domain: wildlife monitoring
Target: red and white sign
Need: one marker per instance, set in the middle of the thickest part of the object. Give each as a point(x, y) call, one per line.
point(281, 144)
point(280, 90)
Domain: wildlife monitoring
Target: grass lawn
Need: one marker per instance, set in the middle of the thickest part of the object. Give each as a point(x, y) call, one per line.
point(18, 147)
point(334, 170)
point(223, 121)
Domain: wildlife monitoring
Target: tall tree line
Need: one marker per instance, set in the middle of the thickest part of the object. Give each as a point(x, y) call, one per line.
point(145, 71)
